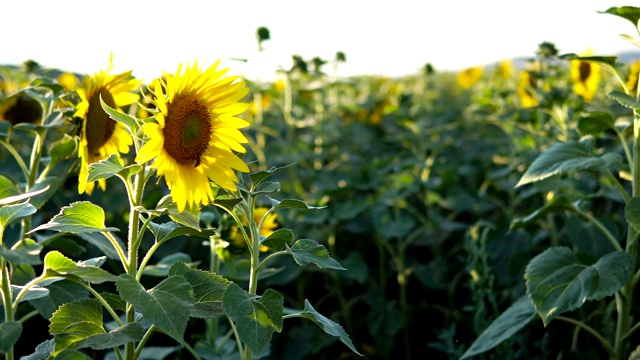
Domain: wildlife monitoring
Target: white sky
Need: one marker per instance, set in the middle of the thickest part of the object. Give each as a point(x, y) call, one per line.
point(393, 37)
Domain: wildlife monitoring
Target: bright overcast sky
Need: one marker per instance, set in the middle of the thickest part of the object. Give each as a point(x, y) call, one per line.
point(393, 37)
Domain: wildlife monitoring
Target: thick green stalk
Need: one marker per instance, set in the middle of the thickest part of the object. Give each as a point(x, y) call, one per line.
point(6, 299)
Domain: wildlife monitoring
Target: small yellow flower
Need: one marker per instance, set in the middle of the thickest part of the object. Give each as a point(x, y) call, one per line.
point(197, 133)
point(526, 89)
point(102, 136)
point(469, 77)
point(68, 81)
point(586, 77)
point(505, 69)
point(269, 225)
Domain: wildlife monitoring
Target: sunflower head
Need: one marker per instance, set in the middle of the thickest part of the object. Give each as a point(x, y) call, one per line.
point(526, 89)
point(101, 136)
point(586, 77)
point(632, 82)
point(196, 134)
point(469, 77)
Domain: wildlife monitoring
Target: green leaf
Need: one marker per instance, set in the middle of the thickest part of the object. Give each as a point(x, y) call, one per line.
point(564, 157)
point(327, 325)
point(44, 190)
point(5, 130)
point(256, 321)
point(42, 351)
point(189, 217)
point(74, 322)
point(292, 204)
point(257, 177)
point(78, 217)
point(503, 327)
point(8, 188)
point(126, 120)
point(62, 149)
point(265, 187)
point(60, 292)
point(632, 213)
point(170, 230)
point(595, 123)
point(19, 197)
point(34, 292)
point(167, 305)
point(131, 332)
point(624, 99)
point(278, 239)
point(69, 354)
point(57, 264)
point(102, 243)
point(112, 166)
point(306, 251)
point(557, 204)
point(12, 213)
point(630, 13)
point(227, 202)
point(208, 290)
point(631, 39)
point(26, 252)
point(557, 282)
point(9, 334)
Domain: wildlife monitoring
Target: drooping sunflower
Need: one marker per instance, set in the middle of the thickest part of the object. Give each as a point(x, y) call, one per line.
point(586, 77)
point(469, 77)
point(100, 135)
point(196, 136)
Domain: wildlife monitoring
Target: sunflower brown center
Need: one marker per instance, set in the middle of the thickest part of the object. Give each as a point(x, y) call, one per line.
point(99, 126)
point(187, 130)
point(585, 71)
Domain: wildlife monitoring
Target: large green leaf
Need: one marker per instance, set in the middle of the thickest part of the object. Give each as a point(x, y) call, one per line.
point(307, 251)
point(256, 320)
point(9, 334)
point(167, 305)
point(208, 290)
point(257, 177)
point(62, 150)
point(189, 217)
point(57, 264)
point(25, 252)
point(624, 99)
point(8, 188)
point(102, 243)
point(112, 166)
point(630, 13)
point(564, 157)
point(327, 325)
point(170, 230)
point(78, 217)
point(503, 327)
point(595, 123)
point(74, 322)
point(12, 213)
point(557, 282)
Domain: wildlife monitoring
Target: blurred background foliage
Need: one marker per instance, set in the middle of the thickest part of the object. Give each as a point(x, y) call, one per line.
point(419, 178)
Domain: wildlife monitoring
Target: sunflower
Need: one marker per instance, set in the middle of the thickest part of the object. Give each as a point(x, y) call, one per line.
point(632, 83)
point(585, 76)
point(469, 77)
point(195, 136)
point(100, 135)
point(526, 89)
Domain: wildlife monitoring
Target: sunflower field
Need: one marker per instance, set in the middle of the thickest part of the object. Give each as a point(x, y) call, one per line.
point(492, 212)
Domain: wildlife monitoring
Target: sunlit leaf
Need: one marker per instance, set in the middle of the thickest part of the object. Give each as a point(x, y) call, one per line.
point(170, 230)
point(57, 264)
point(557, 282)
point(112, 166)
point(257, 177)
point(78, 217)
point(12, 213)
point(292, 204)
point(624, 99)
point(126, 120)
point(26, 252)
point(278, 239)
point(562, 158)
point(74, 322)
point(630, 13)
